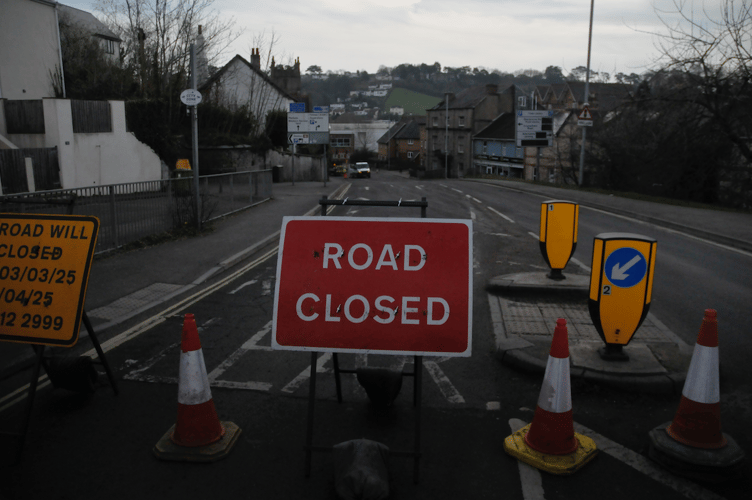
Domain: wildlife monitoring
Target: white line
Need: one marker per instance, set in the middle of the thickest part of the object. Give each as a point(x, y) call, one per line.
point(583, 266)
point(248, 345)
point(442, 185)
point(530, 477)
point(500, 214)
point(419, 188)
point(472, 215)
point(645, 466)
point(457, 191)
point(266, 287)
point(247, 283)
point(533, 235)
point(151, 361)
point(150, 323)
point(248, 386)
point(305, 374)
point(476, 200)
point(445, 385)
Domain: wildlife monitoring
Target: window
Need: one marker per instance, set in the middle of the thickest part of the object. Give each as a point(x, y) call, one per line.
point(410, 142)
point(460, 148)
point(340, 142)
point(435, 121)
point(109, 46)
point(462, 121)
point(409, 155)
point(485, 147)
point(521, 101)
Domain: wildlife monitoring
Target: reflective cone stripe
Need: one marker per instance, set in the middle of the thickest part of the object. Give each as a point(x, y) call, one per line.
point(197, 422)
point(552, 429)
point(697, 421)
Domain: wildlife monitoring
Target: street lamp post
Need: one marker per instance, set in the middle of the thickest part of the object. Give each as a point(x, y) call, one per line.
point(446, 135)
point(587, 93)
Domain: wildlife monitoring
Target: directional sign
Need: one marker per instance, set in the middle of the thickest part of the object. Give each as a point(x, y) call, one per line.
point(389, 286)
point(308, 122)
point(44, 271)
point(191, 97)
point(535, 128)
point(308, 138)
point(621, 284)
point(321, 109)
point(297, 107)
point(558, 233)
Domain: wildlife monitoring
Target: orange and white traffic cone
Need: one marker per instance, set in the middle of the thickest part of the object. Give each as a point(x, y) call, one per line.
point(693, 443)
point(198, 434)
point(549, 442)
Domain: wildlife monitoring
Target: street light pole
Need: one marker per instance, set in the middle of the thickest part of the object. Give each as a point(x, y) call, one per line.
point(446, 135)
point(587, 93)
point(194, 136)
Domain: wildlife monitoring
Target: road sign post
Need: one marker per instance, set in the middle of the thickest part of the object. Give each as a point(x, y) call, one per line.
point(558, 234)
point(534, 128)
point(621, 284)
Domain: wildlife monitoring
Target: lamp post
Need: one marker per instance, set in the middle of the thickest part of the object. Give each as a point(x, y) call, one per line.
point(446, 135)
point(587, 93)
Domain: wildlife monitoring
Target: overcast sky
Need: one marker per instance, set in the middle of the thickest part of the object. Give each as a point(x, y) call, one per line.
point(508, 35)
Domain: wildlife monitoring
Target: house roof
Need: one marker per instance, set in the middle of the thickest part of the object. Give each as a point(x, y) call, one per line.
point(609, 95)
point(409, 131)
point(391, 133)
point(238, 59)
point(87, 21)
point(501, 128)
point(467, 99)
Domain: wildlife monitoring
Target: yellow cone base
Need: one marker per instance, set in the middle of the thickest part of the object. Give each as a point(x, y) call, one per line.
point(165, 449)
point(555, 464)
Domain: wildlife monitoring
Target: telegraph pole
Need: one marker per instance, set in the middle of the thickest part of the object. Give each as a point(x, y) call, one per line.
point(194, 134)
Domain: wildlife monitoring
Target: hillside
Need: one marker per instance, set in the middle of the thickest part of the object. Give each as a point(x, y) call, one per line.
point(413, 103)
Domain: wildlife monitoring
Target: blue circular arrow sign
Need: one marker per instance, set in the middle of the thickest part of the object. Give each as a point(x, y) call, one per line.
point(625, 267)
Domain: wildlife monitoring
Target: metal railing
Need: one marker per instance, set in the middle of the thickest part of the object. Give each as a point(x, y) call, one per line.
point(132, 211)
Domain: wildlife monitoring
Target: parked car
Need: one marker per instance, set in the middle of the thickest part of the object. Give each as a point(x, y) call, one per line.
point(360, 169)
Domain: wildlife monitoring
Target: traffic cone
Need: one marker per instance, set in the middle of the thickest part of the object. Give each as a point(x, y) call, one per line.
point(198, 434)
point(698, 419)
point(693, 444)
point(549, 443)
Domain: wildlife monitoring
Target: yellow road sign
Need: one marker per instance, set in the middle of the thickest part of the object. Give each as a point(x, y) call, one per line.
point(558, 232)
point(621, 284)
point(44, 270)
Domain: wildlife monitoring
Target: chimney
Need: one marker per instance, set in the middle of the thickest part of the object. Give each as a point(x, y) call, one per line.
point(256, 58)
point(199, 29)
point(492, 88)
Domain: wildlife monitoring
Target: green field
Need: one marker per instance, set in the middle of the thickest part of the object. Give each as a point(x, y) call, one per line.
point(414, 103)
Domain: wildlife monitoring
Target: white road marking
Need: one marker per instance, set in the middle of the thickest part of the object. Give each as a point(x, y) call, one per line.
point(537, 237)
point(135, 374)
point(476, 200)
point(583, 266)
point(500, 234)
point(443, 185)
point(367, 188)
point(500, 214)
point(419, 187)
point(247, 283)
point(305, 374)
point(453, 189)
point(530, 477)
point(445, 385)
point(645, 466)
point(472, 215)
point(266, 286)
point(248, 345)
point(493, 405)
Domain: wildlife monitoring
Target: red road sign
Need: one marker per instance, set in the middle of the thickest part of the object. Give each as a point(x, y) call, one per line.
point(392, 286)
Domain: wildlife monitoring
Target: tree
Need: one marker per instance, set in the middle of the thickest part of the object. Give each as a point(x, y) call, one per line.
point(554, 74)
point(710, 61)
point(313, 69)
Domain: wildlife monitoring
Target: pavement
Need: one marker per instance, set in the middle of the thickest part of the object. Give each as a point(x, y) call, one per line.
point(124, 286)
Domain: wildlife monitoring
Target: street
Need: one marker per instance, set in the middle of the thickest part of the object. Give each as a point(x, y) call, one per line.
point(469, 404)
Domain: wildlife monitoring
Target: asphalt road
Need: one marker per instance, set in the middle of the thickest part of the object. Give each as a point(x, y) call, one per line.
point(101, 446)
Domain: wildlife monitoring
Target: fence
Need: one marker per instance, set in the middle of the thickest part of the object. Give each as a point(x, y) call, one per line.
point(129, 212)
point(13, 169)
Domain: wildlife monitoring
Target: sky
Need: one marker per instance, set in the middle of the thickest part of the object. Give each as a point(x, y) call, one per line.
point(508, 35)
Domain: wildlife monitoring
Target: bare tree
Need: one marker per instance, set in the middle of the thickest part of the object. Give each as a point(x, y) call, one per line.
point(157, 35)
point(706, 61)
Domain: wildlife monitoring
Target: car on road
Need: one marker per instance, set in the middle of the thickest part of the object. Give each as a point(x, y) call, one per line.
point(360, 169)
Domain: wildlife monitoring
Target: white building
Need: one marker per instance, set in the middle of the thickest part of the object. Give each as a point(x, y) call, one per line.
point(365, 132)
point(34, 122)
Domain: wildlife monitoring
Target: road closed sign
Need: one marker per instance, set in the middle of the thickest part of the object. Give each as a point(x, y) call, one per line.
point(621, 284)
point(388, 286)
point(44, 270)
